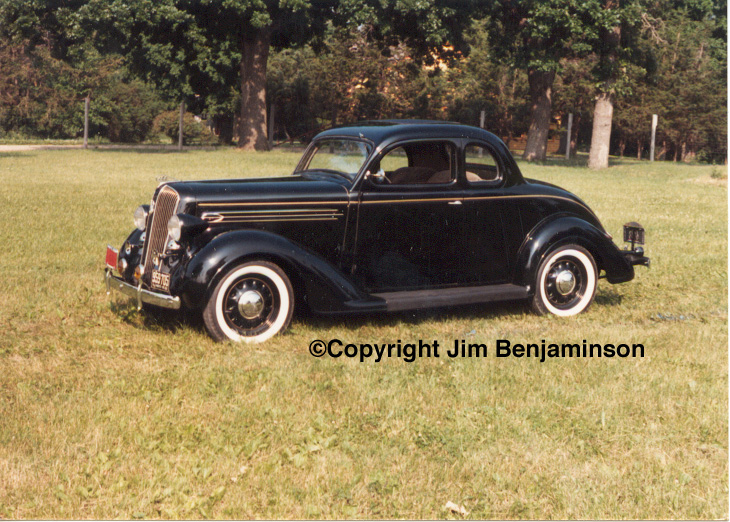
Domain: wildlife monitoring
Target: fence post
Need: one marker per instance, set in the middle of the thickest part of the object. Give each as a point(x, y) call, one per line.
point(180, 129)
point(272, 113)
point(86, 122)
point(567, 138)
point(654, 121)
point(482, 117)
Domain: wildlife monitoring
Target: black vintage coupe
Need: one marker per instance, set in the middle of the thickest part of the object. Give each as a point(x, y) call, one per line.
point(378, 216)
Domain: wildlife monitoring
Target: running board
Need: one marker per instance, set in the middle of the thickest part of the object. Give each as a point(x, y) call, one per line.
point(395, 301)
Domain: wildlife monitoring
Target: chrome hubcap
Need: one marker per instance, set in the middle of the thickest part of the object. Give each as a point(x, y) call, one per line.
point(250, 304)
point(565, 282)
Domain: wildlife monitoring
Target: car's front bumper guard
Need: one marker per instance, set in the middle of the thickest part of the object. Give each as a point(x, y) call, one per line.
point(140, 294)
point(636, 257)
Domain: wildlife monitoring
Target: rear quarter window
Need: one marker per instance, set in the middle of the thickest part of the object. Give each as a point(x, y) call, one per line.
point(480, 165)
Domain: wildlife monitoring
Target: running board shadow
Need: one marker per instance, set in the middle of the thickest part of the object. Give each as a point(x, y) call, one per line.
point(396, 301)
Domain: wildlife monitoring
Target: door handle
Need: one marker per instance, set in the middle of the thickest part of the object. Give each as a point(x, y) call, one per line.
point(457, 202)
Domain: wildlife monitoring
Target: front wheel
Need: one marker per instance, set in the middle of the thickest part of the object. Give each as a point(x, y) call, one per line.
point(566, 282)
point(252, 303)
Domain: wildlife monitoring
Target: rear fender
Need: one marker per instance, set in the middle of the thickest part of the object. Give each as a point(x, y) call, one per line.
point(550, 234)
point(325, 286)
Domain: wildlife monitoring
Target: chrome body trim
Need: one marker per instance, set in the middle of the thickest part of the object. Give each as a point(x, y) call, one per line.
point(140, 294)
point(251, 216)
point(165, 206)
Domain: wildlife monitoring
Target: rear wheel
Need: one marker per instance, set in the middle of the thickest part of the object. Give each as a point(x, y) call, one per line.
point(566, 282)
point(252, 303)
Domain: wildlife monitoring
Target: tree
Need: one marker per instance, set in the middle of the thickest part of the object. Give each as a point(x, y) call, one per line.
point(479, 83)
point(48, 70)
point(575, 93)
point(260, 25)
point(197, 49)
point(669, 58)
point(610, 75)
point(37, 92)
point(353, 77)
point(379, 59)
point(361, 78)
point(689, 89)
point(434, 30)
point(199, 45)
point(535, 35)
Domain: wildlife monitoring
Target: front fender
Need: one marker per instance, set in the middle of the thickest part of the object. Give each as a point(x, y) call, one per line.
point(563, 230)
point(326, 288)
point(135, 244)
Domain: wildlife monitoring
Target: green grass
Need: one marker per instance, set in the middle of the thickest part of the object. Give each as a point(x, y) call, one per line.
point(106, 413)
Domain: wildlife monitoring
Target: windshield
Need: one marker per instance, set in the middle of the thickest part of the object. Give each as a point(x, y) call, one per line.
point(338, 156)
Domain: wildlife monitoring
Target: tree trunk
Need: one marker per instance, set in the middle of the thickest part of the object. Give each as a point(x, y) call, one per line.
point(574, 136)
point(621, 147)
point(639, 147)
point(254, 56)
point(688, 153)
point(223, 127)
point(603, 112)
point(541, 91)
point(601, 138)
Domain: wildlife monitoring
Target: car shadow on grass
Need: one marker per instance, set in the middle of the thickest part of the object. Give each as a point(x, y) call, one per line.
point(607, 297)
point(171, 321)
point(354, 322)
point(154, 318)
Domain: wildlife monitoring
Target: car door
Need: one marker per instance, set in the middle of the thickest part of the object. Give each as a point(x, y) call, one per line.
point(486, 253)
point(410, 219)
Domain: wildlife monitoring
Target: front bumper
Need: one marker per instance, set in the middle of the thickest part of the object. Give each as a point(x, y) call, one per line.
point(635, 257)
point(140, 294)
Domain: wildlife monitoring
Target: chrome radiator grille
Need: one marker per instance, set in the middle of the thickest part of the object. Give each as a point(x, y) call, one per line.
point(165, 207)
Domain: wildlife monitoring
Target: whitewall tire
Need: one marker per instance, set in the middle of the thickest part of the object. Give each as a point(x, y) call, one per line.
point(566, 282)
point(252, 303)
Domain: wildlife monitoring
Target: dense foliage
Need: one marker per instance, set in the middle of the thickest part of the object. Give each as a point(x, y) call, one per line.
point(194, 131)
point(343, 61)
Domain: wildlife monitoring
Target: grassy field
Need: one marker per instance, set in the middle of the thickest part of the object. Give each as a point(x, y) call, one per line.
point(106, 412)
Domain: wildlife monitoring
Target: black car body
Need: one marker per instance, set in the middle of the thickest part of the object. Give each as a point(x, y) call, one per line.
point(378, 216)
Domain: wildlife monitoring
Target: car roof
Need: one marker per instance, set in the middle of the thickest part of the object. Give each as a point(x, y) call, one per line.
point(382, 131)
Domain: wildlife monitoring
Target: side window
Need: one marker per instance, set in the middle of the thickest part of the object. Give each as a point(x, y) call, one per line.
point(394, 160)
point(480, 165)
point(417, 163)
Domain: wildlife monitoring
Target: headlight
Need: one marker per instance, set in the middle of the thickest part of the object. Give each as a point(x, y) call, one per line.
point(174, 228)
point(185, 225)
point(140, 216)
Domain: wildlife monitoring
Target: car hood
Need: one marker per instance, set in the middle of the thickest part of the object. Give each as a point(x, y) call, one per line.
point(292, 189)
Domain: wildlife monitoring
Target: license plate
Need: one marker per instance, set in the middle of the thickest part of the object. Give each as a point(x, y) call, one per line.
point(111, 257)
point(634, 233)
point(160, 281)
